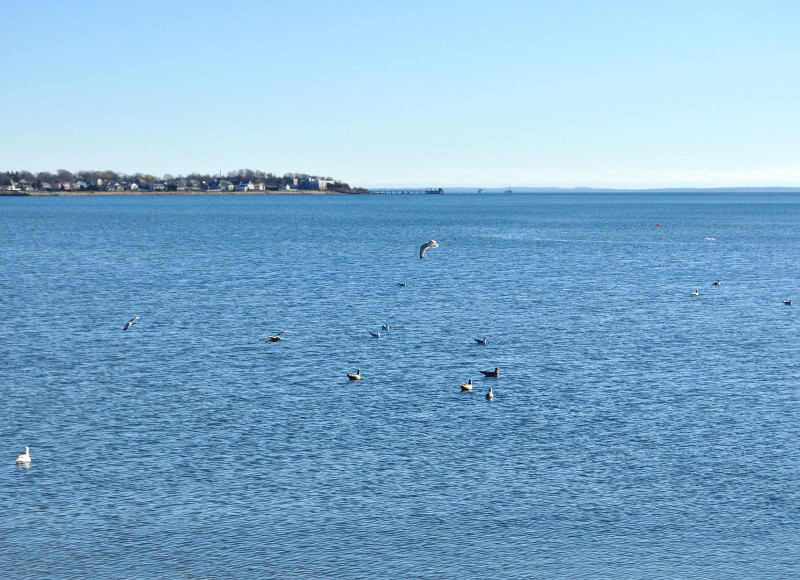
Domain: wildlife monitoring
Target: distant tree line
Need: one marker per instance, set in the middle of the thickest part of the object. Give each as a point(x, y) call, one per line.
point(98, 180)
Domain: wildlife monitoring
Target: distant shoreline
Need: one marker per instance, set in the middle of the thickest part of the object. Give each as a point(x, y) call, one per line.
point(69, 193)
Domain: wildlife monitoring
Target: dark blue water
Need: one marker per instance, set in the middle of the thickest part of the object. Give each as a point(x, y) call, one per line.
point(636, 432)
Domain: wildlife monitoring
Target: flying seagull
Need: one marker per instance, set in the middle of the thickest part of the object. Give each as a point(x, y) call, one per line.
point(356, 376)
point(425, 246)
point(131, 322)
point(24, 457)
point(276, 337)
point(495, 373)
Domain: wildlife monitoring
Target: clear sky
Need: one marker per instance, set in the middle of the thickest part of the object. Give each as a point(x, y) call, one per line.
point(445, 93)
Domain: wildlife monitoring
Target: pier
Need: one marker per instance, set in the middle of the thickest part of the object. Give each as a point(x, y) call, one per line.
point(429, 191)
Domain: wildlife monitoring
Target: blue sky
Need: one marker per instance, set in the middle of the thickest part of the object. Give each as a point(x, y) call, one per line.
point(500, 93)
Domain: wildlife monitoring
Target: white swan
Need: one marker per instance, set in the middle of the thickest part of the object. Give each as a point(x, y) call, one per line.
point(24, 457)
point(482, 341)
point(425, 246)
point(467, 386)
point(356, 376)
point(131, 322)
point(490, 394)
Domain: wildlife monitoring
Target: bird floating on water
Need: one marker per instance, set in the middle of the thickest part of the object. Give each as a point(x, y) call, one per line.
point(425, 246)
point(131, 322)
point(384, 327)
point(24, 457)
point(467, 386)
point(275, 337)
point(354, 376)
point(718, 282)
point(375, 334)
point(483, 341)
point(696, 292)
point(494, 374)
point(490, 394)
point(402, 284)
point(787, 302)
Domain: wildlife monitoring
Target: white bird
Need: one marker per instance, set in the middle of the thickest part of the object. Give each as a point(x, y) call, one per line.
point(131, 322)
point(356, 376)
point(425, 246)
point(375, 334)
point(482, 341)
point(490, 394)
point(696, 292)
point(24, 457)
point(710, 239)
point(718, 283)
point(467, 386)
point(494, 374)
point(787, 302)
point(384, 327)
point(275, 337)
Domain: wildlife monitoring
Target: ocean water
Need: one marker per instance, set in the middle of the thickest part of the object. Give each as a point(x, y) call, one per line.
point(636, 431)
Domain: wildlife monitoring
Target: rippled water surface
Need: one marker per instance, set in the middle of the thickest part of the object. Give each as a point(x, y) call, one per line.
point(636, 432)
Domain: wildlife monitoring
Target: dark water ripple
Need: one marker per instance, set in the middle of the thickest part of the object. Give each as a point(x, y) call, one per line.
point(636, 432)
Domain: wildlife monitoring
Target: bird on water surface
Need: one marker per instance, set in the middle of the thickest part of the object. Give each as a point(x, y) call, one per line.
point(483, 341)
point(490, 394)
point(467, 386)
point(495, 373)
point(24, 457)
point(354, 376)
point(375, 334)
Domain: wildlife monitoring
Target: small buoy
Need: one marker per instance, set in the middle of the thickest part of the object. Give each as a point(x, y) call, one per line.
point(659, 225)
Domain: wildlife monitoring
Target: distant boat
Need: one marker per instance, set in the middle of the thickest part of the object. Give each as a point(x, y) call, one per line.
point(480, 190)
point(509, 190)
